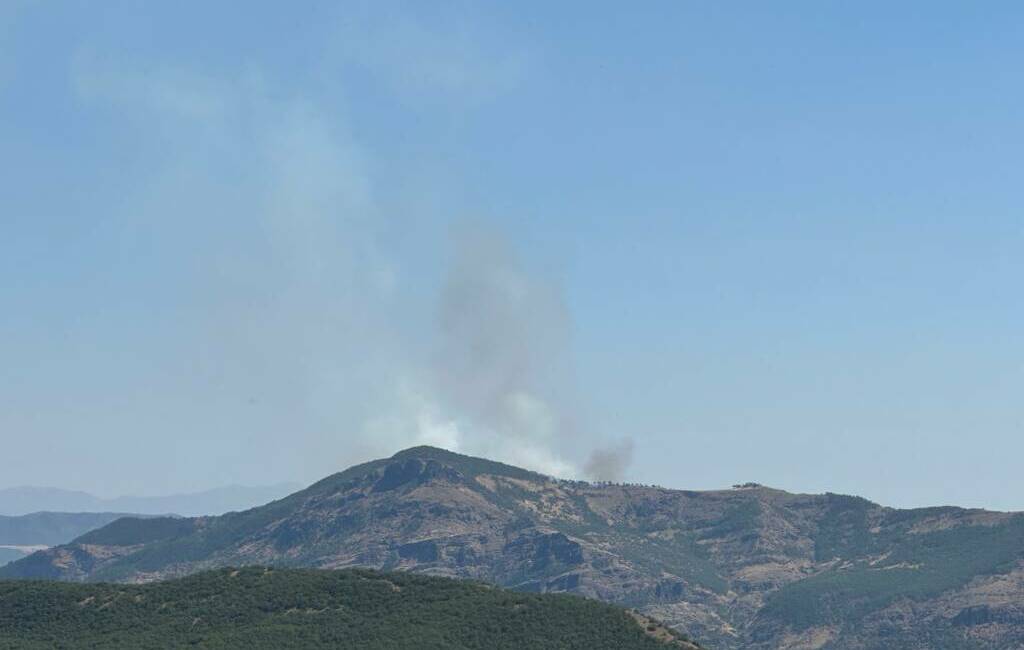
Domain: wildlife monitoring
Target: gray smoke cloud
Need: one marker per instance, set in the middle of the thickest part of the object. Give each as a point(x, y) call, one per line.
point(502, 363)
point(498, 382)
point(609, 463)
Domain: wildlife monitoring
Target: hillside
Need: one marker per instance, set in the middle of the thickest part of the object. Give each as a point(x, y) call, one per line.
point(744, 568)
point(271, 608)
point(9, 555)
point(23, 534)
point(52, 528)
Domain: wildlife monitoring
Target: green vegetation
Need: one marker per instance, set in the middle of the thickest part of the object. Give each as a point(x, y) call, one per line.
point(919, 566)
point(681, 556)
point(845, 529)
point(740, 518)
point(131, 530)
point(273, 608)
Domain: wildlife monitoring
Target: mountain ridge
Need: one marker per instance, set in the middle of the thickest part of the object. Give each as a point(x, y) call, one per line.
point(753, 567)
point(52, 528)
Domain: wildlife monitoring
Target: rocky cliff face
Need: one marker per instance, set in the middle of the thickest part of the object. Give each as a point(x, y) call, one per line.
point(743, 568)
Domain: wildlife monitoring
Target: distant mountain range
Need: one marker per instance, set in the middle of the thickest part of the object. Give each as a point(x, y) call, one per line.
point(23, 534)
point(26, 500)
point(746, 568)
point(256, 608)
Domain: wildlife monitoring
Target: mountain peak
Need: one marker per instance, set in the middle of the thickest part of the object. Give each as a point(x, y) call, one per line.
point(420, 451)
point(470, 466)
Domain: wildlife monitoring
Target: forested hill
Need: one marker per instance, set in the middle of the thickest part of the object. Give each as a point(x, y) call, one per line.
point(257, 608)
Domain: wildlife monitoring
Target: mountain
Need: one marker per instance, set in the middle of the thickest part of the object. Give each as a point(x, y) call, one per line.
point(751, 567)
point(26, 500)
point(255, 608)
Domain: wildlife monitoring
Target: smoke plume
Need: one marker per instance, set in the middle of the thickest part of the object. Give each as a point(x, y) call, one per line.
point(609, 463)
point(309, 338)
point(501, 366)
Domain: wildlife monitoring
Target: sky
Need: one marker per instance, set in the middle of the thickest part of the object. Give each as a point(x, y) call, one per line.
point(680, 243)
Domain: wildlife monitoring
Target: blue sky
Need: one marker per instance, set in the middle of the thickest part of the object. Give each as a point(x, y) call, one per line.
point(779, 243)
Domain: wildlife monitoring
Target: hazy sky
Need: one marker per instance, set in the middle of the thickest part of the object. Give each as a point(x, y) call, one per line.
point(259, 242)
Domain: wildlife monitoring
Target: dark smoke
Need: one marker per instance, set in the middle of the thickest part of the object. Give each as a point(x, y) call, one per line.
point(502, 366)
point(609, 463)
